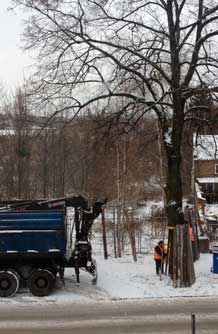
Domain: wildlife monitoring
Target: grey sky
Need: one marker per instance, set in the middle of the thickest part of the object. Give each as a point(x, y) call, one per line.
point(13, 61)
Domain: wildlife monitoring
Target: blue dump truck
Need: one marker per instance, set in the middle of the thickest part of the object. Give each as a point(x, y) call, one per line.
point(36, 245)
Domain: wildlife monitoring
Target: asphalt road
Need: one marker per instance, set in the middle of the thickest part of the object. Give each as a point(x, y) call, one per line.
point(149, 316)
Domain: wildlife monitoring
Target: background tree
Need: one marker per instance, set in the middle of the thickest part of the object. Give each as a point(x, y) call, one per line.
point(22, 137)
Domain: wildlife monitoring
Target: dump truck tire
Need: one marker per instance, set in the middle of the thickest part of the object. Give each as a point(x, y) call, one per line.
point(41, 282)
point(9, 283)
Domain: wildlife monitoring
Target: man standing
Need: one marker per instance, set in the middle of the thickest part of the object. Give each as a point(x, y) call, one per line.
point(158, 256)
point(192, 237)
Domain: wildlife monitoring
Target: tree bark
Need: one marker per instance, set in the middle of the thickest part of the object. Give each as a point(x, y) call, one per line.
point(104, 238)
point(131, 232)
point(118, 231)
point(114, 233)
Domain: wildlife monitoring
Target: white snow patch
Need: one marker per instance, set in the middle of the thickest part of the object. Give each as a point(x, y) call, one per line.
point(198, 191)
point(168, 136)
point(207, 179)
point(124, 279)
point(211, 210)
point(171, 203)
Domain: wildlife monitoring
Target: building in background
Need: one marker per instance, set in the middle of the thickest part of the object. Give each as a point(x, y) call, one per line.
point(206, 166)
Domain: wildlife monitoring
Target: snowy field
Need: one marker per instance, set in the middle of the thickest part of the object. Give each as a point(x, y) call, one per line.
point(122, 279)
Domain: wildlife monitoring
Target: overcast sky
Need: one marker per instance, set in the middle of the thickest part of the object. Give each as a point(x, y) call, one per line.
point(13, 61)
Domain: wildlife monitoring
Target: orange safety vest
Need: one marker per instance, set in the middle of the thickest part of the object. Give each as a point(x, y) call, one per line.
point(192, 237)
point(156, 255)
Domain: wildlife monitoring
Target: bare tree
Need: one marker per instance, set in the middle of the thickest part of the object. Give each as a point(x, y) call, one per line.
point(23, 138)
point(143, 56)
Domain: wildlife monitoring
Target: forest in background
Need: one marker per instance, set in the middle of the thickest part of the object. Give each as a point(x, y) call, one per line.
point(62, 158)
point(43, 158)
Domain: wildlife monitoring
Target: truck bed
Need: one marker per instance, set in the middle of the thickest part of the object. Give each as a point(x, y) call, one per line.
point(32, 232)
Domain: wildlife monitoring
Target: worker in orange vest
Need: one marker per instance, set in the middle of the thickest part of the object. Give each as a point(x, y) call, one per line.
point(158, 256)
point(192, 237)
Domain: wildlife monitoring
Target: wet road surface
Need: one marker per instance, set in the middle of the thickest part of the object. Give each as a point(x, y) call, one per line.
point(149, 316)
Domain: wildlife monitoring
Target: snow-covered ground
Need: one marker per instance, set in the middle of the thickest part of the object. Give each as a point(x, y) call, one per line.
point(126, 280)
point(211, 210)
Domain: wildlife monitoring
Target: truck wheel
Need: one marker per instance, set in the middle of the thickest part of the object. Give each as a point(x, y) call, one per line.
point(41, 282)
point(9, 283)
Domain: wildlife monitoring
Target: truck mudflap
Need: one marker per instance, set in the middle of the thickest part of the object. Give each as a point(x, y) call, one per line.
point(92, 270)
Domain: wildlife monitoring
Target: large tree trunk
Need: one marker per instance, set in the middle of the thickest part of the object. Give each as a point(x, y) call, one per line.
point(178, 267)
point(174, 192)
point(174, 212)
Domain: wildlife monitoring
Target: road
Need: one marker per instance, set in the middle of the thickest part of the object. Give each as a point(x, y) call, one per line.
point(149, 316)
